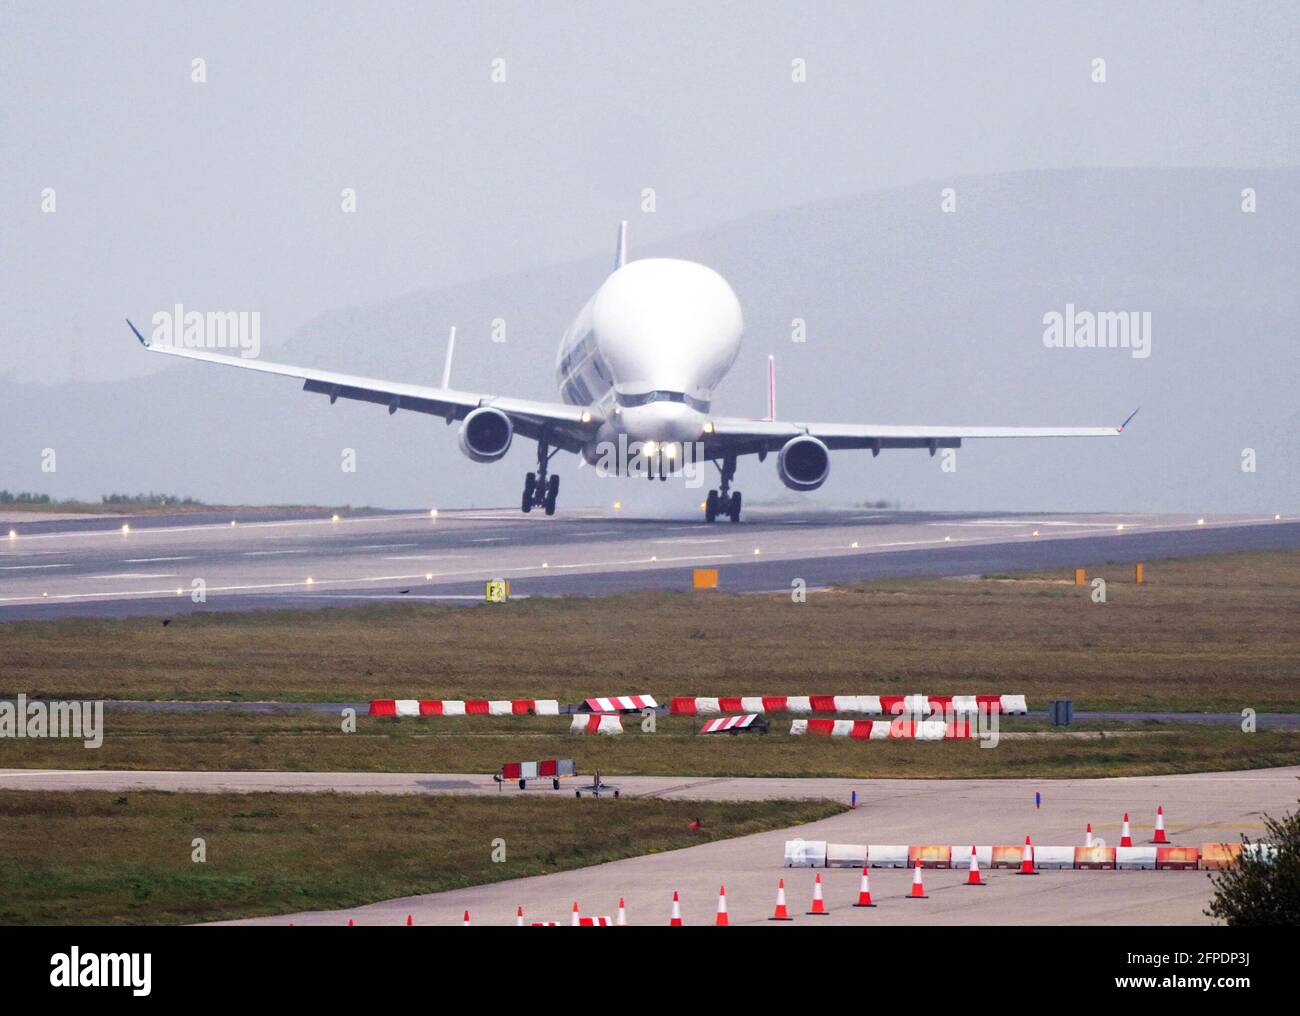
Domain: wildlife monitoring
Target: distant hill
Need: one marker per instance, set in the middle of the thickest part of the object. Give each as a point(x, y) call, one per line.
point(913, 316)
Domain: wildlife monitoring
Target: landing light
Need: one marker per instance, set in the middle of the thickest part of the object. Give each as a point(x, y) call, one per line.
point(1120, 527)
point(670, 451)
point(853, 545)
point(125, 529)
point(428, 576)
point(947, 539)
point(1200, 522)
point(310, 581)
point(618, 506)
point(708, 427)
point(433, 513)
point(586, 417)
point(757, 551)
point(651, 447)
point(232, 522)
point(1276, 518)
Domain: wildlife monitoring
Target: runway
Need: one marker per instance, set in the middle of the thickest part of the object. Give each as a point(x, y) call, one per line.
point(96, 567)
point(1205, 807)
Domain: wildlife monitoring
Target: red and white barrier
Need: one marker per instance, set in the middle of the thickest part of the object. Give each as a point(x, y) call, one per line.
point(595, 922)
point(865, 705)
point(464, 707)
point(725, 723)
point(596, 723)
point(620, 704)
point(1028, 858)
point(874, 730)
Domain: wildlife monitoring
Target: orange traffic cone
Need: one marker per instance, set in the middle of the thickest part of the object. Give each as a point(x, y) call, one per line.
point(1125, 837)
point(918, 887)
point(676, 920)
point(409, 922)
point(818, 904)
point(864, 892)
point(1027, 859)
point(781, 913)
point(622, 913)
point(721, 920)
point(350, 924)
point(574, 919)
point(1160, 836)
point(466, 918)
point(974, 877)
point(1087, 836)
point(519, 917)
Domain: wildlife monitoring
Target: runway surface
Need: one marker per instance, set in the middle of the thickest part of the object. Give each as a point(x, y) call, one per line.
point(92, 567)
point(1206, 807)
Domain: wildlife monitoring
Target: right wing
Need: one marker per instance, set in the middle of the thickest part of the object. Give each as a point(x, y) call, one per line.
point(565, 426)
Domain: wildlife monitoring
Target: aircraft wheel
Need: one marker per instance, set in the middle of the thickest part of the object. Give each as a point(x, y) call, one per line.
point(711, 506)
point(734, 510)
point(530, 488)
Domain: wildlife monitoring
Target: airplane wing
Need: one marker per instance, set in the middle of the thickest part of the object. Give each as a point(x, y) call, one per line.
point(734, 436)
point(567, 427)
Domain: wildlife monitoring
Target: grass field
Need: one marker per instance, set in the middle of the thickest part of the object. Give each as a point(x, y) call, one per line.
point(1205, 634)
point(102, 858)
point(315, 742)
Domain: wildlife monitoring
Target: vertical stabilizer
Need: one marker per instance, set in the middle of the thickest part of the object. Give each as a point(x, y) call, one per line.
point(620, 255)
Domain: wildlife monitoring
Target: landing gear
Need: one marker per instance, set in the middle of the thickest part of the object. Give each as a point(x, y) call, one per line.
point(541, 489)
point(725, 501)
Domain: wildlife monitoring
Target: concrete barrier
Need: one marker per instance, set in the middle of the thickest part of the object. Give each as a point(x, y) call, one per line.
point(1053, 857)
point(1094, 857)
point(846, 855)
point(805, 853)
point(1135, 858)
point(887, 855)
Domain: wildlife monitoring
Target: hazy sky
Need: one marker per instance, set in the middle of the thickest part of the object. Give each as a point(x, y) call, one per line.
point(226, 194)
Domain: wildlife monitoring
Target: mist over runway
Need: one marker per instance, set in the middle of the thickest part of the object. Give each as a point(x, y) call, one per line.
point(92, 567)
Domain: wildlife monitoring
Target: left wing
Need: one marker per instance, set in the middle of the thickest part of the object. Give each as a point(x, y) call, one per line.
point(567, 427)
point(735, 436)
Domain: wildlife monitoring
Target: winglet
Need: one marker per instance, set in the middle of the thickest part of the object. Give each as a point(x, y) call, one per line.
point(620, 255)
point(143, 341)
point(446, 366)
point(1120, 428)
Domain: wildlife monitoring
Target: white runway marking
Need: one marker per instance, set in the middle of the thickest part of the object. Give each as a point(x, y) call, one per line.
point(272, 553)
point(146, 560)
point(136, 575)
point(385, 546)
point(693, 539)
point(28, 567)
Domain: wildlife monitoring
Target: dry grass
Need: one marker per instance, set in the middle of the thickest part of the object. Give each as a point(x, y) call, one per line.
point(314, 742)
point(99, 858)
point(1202, 634)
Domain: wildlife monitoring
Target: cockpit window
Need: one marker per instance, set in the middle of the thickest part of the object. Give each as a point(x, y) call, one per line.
point(646, 398)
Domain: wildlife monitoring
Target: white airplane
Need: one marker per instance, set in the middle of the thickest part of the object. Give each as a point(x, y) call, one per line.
point(637, 369)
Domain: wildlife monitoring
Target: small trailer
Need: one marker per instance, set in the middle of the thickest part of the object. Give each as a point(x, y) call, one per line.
point(554, 769)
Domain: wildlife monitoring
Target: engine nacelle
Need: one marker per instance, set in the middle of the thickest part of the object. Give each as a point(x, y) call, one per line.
point(485, 434)
point(803, 463)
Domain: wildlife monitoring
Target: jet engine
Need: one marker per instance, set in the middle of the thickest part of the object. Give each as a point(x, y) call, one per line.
point(485, 434)
point(803, 463)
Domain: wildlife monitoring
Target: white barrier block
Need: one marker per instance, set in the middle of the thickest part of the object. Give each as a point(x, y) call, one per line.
point(842, 728)
point(846, 855)
point(1056, 857)
point(983, 855)
point(1135, 857)
point(930, 730)
point(528, 770)
point(1014, 704)
point(453, 707)
point(500, 707)
point(869, 705)
point(707, 706)
point(964, 705)
point(879, 730)
point(546, 707)
point(753, 704)
point(798, 728)
point(879, 856)
point(1264, 851)
point(798, 704)
point(845, 703)
point(805, 853)
point(408, 707)
point(916, 705)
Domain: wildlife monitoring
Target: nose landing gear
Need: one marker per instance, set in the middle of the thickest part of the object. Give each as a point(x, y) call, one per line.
point(541, 490)
point(724, 501)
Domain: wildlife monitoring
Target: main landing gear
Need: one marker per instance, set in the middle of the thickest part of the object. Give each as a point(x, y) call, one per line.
point(720, 502)
point(541, 490)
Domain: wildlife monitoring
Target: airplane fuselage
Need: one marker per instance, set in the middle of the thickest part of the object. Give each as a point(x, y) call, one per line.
point(648, 350)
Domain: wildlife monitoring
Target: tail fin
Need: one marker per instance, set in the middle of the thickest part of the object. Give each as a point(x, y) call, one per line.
point(620, 255)
point(771, 387)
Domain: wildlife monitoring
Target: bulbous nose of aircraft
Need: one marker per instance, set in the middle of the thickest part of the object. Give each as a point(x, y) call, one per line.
point(664, 422)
